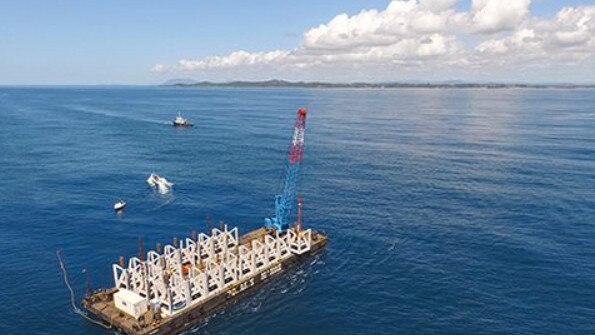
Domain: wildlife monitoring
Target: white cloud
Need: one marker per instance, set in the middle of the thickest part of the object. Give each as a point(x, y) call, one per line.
point(422, 35)
point(568, 38)
point(436, 5)
point(237, 58)
point(496, 15)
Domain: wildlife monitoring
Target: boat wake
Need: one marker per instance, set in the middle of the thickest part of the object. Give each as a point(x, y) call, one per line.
point(164, 199)
point(112, 114)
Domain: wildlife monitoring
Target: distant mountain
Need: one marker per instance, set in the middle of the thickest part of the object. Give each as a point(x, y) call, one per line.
point(315, 84)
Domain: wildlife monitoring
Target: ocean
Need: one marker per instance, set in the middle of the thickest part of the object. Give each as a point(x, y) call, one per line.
point(449, 211)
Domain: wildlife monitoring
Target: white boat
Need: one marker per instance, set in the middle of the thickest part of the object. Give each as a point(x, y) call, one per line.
point(179, 121)
point(119, 205)
point(155, 180)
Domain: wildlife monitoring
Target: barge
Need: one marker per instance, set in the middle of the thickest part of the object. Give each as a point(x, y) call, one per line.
point(173, 291)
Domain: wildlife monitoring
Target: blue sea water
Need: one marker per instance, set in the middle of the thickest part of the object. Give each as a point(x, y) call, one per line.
point(448, 211)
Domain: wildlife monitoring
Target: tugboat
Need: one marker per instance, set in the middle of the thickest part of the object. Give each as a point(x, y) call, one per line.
point(179, 121)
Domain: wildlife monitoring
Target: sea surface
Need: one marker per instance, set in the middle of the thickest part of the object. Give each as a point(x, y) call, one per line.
point(464, 211)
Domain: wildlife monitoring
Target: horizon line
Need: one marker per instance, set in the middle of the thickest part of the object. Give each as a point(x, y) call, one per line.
point(188, 82)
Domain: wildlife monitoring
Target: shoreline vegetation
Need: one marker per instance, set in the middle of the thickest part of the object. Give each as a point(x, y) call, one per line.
point(363, 85)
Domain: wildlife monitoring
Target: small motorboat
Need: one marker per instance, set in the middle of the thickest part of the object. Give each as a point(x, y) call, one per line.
point(155, 180)
point(179, 121)
point(119, 205)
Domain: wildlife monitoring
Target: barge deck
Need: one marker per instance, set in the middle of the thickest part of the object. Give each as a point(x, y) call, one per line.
point(177, 289)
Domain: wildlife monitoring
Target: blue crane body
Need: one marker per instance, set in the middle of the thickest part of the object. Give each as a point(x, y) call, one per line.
point(284, 202)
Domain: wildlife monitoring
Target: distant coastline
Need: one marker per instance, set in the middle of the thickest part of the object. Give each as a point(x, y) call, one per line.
point(363, 85)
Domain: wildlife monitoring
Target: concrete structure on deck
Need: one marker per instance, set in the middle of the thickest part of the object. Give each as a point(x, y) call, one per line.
point(184, 284)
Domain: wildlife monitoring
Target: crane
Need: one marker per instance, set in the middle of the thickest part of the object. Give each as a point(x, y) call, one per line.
point(284, 202)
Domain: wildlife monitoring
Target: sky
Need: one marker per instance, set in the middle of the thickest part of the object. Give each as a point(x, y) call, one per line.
point(148, 42)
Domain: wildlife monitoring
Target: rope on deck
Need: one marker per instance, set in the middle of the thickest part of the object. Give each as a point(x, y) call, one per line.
point(72, 298)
